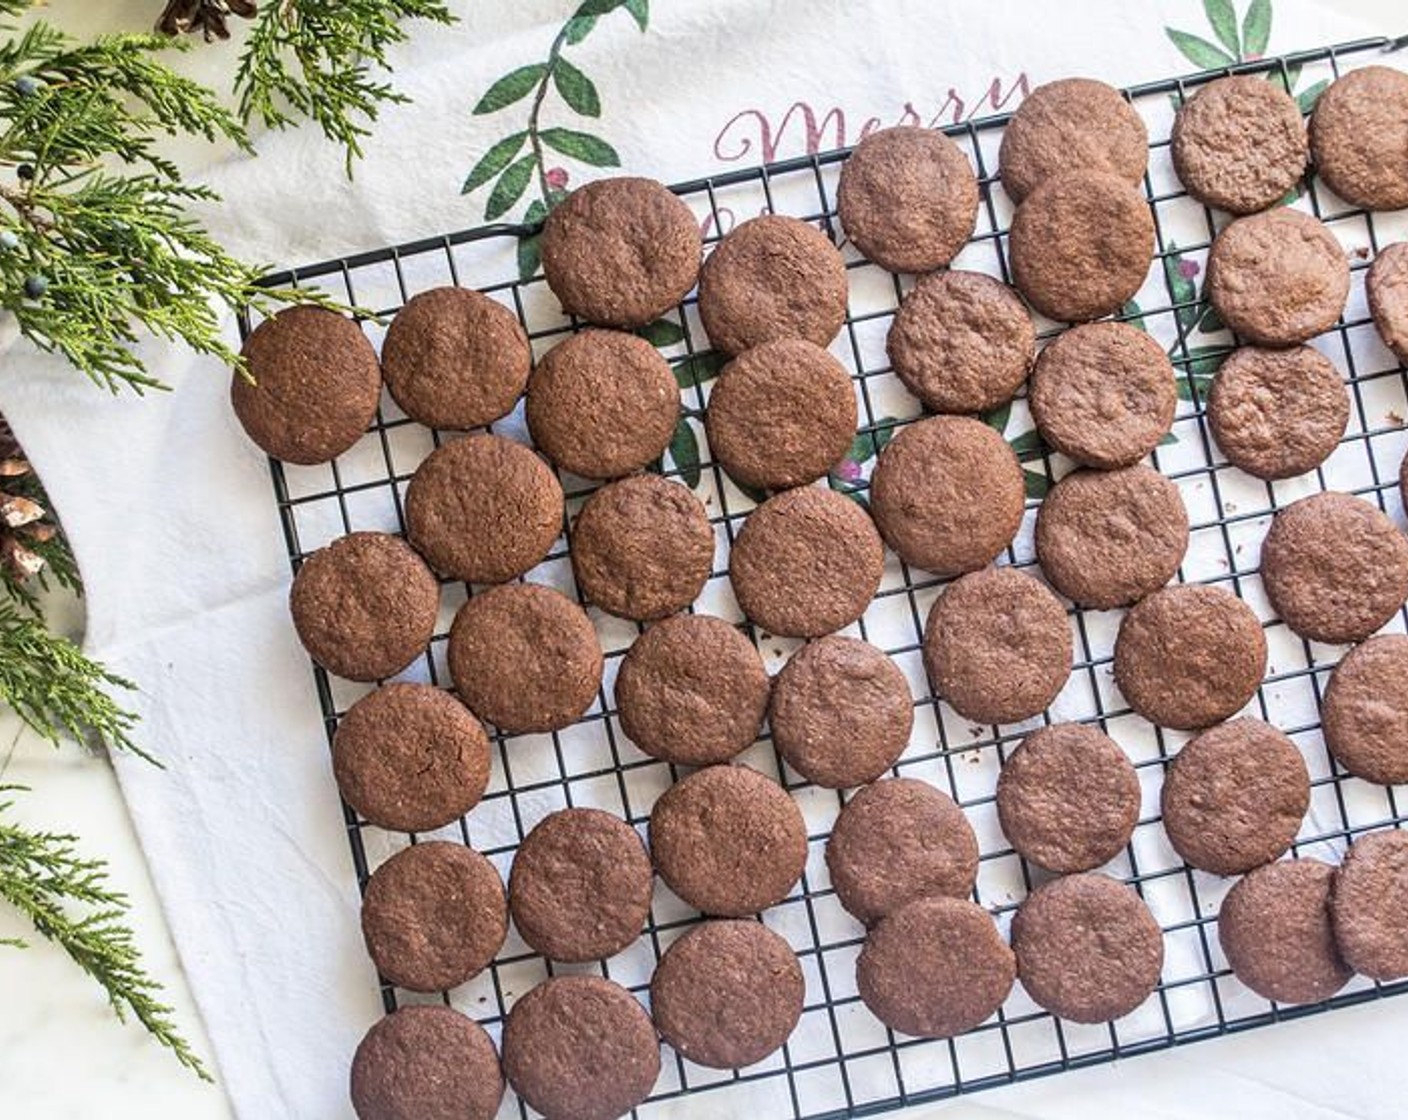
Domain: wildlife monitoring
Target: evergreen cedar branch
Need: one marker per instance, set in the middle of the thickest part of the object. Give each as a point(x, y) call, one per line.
point(315, 59)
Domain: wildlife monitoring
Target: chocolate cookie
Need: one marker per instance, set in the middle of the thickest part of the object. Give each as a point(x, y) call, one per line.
point(908, 199)
point(483, 509)
point(1278, 278)
point(806, 562)
point(961, 342)
point(1108, 538)
point(315, 385)
point(1277, 413)
point(728, 840)
point(772, 277)
point(1239, 144)
point(454, 358)
point(1104, 394)
point(620, 251)
point(1189, 656)
point(1068, 798)
point(898, 840)
point(727, 993)
point(781, 414)
point(1365, 712)
point(841, 712)
point(935, 968)
point(1359, 137)
point(580, 1047)
point(603, 404)
point(426, 1063)
point(410, 757)
point(692, 690)
point(525, 658)
point(1369, 905)
point(364, 606)
point(947, 494)
point(1276, 933)
point(1387, 287)
point(1235, 796)
point(580, 885)
point(433, 916)
point(642, 547)
point(1335, 568)
point(1080, 245)
point(997, 646)
point(1087, 948)
point(1075, 124)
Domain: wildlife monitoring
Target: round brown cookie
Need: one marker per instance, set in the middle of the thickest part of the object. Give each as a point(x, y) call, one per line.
point(426, 1063)
point(1277, 413)
point(1104, 394)
point(1189, 656)
point(772, 277)
point(483, 509)
point(602, 404)
point(525, 658)
point(727, 993)
point(897, 840)
point(935, 968)
point(580, 885)
point(620, 251)
point(692, 690)
point(947, 494)
point(1387, 287)
point(806, 562)
point(642, 547)
point(1239, 144)
point(728, 840)
point(1278, 278)
point(1087, 948)
point(781, 414)
point(1068, 798)
point(841, 712)
point(1235, 796)
point(364, 606)
point(1365, 711)
point(580, 1048)
point(908, 199)
point(1335, 568)
point(1108, 538)
point(316, 384)
point(961, 342)
point(433, 916)
point(454, 358)
point(1080, 245)
point(1369, 905)
point(997, 646)
point(1275, 930)
point(410, 757)
point(1359, 137)
point(1075, 124)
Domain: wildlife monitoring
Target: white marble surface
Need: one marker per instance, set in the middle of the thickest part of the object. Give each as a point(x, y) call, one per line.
point(63, 1056)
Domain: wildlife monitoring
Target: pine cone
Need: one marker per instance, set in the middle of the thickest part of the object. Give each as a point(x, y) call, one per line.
point(208, 17)
point(23, 521)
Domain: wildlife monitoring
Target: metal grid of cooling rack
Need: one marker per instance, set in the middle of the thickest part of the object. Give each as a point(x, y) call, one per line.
point(841, 1061)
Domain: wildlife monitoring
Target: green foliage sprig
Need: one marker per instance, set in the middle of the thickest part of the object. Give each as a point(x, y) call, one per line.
point(57, 691)
point(317, 59)
point(69, 901)
point(95, 239)
point(507, 166)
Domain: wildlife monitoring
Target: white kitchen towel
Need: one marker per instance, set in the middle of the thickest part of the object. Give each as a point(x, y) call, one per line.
point(170, 508)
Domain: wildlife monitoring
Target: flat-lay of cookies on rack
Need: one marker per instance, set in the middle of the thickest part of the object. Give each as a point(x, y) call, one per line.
point(779, 658)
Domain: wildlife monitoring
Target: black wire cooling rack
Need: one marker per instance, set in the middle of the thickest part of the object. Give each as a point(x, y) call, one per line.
point(841, 1061)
